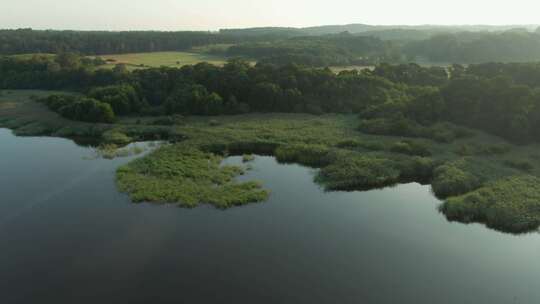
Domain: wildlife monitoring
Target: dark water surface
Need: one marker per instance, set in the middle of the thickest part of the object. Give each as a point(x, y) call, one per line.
point(68, 236)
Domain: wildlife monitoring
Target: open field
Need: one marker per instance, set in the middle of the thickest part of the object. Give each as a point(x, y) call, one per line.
point(157, 59)
point(337, 69)
point(479, 166)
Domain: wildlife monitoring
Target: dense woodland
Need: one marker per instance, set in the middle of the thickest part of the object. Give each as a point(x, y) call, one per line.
point(320, 51)
point(503, 99)
point(317, 47)
point(94, 43)
point(470, 47)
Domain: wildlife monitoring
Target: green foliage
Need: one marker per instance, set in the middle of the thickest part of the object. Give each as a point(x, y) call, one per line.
point(246, 158)
point(470, 47)
point(79, 108)
point(410, 147)
point(417, 169)
point(122, 98)
point(412, 74)
point(523, 165)
point(309, 155)
point(451, 179)
point(358, 172)
point(101, 42)
point(188, 177)
point(468, 149)
point(170, 120)
point(494, 105)
point(495, 98)
point(112, 151)
point(194, 99)
point(115, 137)
point(510, 205)
point(189, 172)
point(341, 50)
point(444, 133)
point(355, 144)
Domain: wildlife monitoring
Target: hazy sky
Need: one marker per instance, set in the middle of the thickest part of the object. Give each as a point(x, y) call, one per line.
point(215, 14)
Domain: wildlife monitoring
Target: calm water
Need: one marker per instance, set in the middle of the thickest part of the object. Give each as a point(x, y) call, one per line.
point(67, 236)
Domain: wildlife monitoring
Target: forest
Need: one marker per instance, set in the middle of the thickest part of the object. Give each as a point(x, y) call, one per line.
point(330, 50)
point(316, 47)
point(469, 47)
point(23, 41)
point(501, 99)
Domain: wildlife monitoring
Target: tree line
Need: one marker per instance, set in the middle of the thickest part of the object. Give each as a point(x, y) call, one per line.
point(502, 99)
point(477, 47)
point(24, 41)
point(286, 46)
point(330, 50)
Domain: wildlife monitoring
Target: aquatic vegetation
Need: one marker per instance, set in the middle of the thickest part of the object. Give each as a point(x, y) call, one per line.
point(186, 176)
point(248, 158)
point(450, 179)
point(116, 137)
point(111, 151)
point(309, 155)
point(358, 172)
point(418, 169)
point(410, 147)
point(511, 204)
point(189, 172)
point(441, 132)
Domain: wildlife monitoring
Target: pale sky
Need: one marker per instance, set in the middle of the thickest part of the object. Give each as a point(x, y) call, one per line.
point(215, 14)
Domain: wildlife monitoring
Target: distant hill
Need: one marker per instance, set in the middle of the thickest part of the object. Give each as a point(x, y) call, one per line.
point(385, 32)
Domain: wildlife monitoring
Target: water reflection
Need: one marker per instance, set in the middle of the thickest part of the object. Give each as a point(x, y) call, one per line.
point(69, 236)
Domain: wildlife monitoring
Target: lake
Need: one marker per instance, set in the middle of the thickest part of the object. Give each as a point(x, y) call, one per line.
point(68, 236)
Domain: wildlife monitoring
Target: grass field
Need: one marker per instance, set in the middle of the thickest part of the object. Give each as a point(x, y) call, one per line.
point(157, 59)
point(474, 174)
point(337, 69)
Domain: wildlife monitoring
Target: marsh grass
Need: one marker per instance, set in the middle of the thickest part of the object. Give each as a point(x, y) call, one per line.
point(112, 151)
point(115, 137)
point(246, 158)
point(511, 205)
point(308, 155)
point(186, 176)
point(358, 172)
point(410, 147)
point(188, 172)
point(519, 164)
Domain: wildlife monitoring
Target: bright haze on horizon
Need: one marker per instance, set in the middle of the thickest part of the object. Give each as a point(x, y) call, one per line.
point(213, 14)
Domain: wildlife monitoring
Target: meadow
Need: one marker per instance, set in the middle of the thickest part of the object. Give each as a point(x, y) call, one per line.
point(158, 59)
point(471, 172)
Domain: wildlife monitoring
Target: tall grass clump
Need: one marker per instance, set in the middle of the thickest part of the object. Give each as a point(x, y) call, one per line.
point(358, 172)
point(187, 176)
point(115, 137)
point(309, 155)
point(510, 205)
point(399, 126)
point(519, 164)
point(411, 147)
point(450, 180)
point(417, 169)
